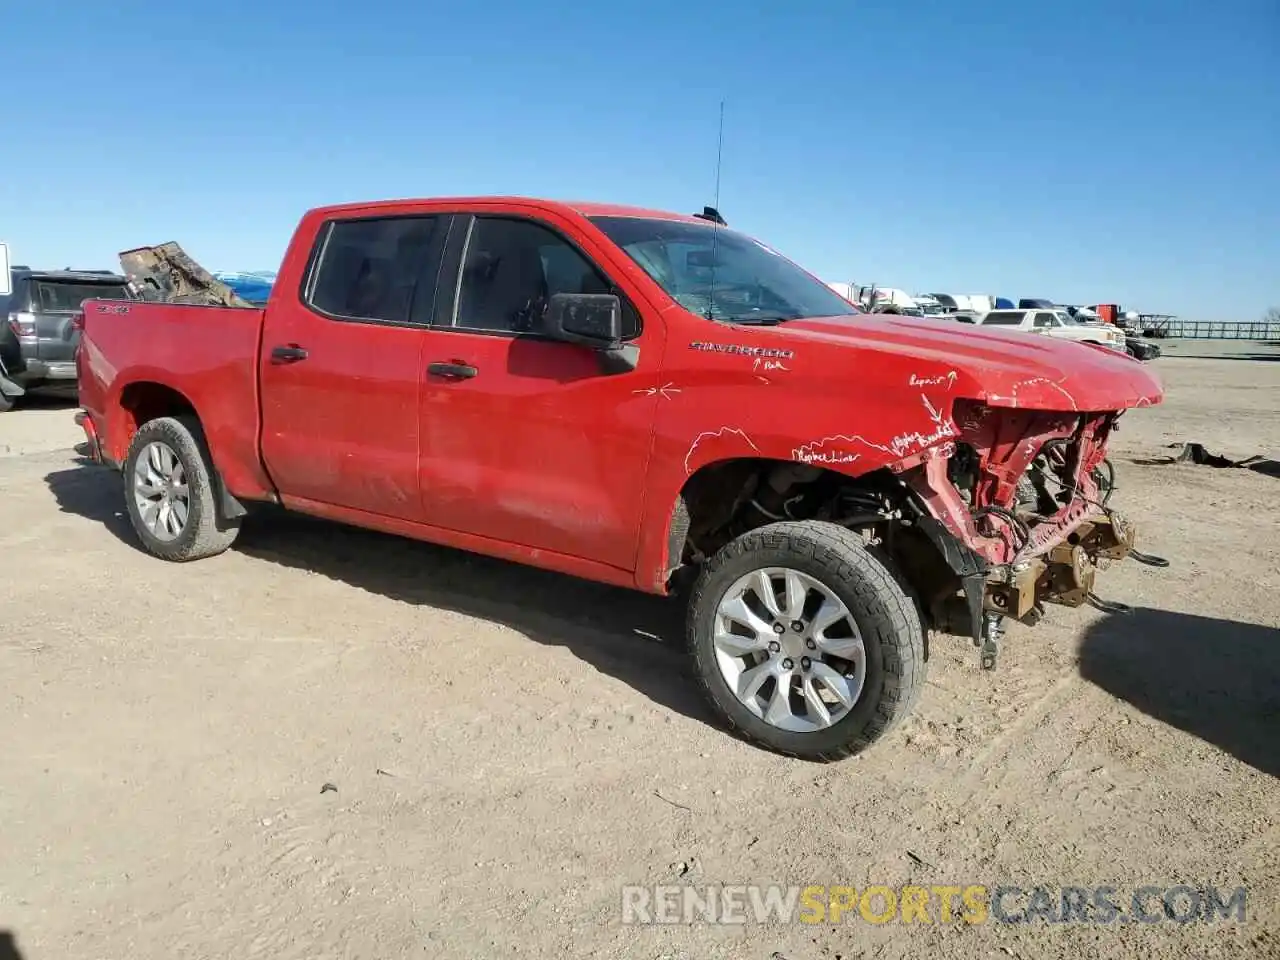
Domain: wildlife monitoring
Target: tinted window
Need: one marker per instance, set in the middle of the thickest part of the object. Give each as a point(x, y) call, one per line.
point(1008, 318)
point(52, 296)
point(511, 270)
point(381, 269)
point(1045, 320)
point(721, 274)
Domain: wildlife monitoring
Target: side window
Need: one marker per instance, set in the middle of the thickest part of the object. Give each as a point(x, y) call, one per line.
point(1045, 320)
point(381, 269)
point(511, 270)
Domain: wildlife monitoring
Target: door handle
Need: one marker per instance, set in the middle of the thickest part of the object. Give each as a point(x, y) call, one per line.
point(288, 354)
point(453, 370)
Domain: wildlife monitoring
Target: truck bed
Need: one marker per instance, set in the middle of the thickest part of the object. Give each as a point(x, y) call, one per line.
point(211, 351)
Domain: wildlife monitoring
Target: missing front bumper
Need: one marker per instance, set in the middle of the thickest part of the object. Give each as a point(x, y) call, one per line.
point(1064, 575)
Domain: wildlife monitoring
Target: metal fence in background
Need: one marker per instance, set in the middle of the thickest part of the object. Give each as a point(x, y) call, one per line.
point(1212, 329)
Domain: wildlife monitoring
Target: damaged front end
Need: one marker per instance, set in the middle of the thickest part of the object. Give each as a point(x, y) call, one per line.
point(1017, 505)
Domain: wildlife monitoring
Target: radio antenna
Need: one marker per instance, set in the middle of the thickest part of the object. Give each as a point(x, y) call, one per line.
point(715, 228)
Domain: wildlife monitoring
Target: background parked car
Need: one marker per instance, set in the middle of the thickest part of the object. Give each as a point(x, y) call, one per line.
point(38, 340)
point(254, 286)
point(1056, 323)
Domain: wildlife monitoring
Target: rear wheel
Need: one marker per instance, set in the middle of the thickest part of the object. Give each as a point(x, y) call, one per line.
point(7, 403)
point(170, 494)
point(804, 641)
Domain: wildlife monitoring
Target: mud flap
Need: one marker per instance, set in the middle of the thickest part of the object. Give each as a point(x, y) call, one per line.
point(228, 504)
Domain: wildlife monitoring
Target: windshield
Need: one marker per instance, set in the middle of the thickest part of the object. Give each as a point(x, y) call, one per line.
point(721, 274)
point(53, 296)
point(1067, 319)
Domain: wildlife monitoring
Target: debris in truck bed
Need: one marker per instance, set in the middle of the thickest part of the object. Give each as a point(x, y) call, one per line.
point(166, 272)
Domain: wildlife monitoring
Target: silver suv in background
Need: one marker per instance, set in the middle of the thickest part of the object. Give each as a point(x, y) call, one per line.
point(37, 337)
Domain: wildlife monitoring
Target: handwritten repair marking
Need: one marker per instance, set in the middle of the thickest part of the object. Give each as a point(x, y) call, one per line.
point(813, 452)
point(665, 391)
point(710, 434)
point(834, 456)
point(759, 364)
point(1012, 399)
point(835, 449)
point(949, 378)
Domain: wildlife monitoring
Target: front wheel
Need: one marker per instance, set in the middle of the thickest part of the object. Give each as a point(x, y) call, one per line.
point(804, 641)
point(170, 494)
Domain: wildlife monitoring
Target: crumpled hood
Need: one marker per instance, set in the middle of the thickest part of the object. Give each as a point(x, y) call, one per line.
point(1003, 368)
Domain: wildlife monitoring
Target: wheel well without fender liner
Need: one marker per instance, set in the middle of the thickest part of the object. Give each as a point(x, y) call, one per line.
point(145, 401)
point(725, 499)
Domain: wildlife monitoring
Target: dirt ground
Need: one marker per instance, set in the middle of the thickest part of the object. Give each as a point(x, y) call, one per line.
point(509, 748)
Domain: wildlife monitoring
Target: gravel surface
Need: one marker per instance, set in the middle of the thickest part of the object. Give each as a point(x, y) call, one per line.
point(504, 749)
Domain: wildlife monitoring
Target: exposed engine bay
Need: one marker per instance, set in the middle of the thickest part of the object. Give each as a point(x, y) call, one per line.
point(1011, 514)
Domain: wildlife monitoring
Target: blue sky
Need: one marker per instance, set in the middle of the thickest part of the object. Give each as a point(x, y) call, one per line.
point(1118, 151)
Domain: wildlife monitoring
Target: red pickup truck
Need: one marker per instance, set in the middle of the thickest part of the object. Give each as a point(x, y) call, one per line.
point(641, 398)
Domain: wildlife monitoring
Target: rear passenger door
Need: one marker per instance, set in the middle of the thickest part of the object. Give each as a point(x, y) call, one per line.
point(526, 439)
point(341, 366)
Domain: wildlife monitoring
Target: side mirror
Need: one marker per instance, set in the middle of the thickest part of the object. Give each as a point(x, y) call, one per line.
point(594, 319)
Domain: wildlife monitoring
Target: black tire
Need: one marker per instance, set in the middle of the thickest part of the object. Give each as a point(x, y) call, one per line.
point(887, 619)
point(7, 403)
point(206, 532)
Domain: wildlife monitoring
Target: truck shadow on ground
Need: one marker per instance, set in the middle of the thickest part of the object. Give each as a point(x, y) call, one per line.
point(1218, 680)
point(9, 946)
point(632, 636)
